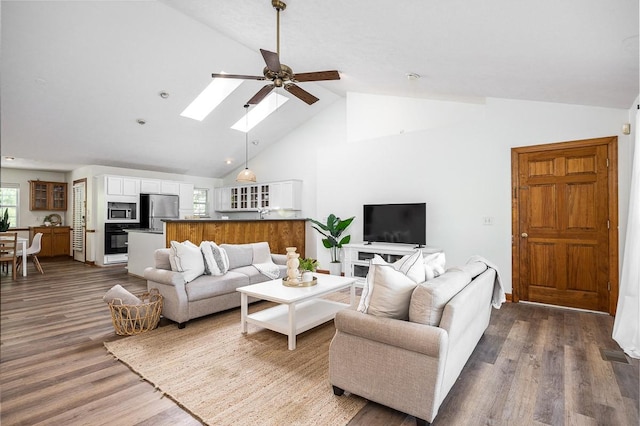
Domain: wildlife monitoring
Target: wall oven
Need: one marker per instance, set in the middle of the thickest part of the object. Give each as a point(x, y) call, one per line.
point(116, 237)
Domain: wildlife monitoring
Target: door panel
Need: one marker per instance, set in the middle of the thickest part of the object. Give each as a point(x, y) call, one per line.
point(562, 235)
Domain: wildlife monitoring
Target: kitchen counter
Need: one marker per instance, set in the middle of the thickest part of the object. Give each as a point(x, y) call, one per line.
point(145, 231)
point(232, 220)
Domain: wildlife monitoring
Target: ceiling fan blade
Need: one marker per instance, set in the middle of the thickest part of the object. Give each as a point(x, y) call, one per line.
point(301, 94)
point(272, 60)
point(244, 77)
point(262, 93)
point(317, 76)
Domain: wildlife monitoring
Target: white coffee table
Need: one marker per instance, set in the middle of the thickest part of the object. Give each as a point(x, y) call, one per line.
point(300, 309)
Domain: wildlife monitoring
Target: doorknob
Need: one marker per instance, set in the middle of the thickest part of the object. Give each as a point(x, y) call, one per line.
point(524, 235)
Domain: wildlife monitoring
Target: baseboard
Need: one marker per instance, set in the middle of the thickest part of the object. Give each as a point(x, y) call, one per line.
point(509, 297)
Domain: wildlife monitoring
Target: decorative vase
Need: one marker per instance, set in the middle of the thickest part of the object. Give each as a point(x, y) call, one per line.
point(307, 276)
point(335, 268)
point(293, 262)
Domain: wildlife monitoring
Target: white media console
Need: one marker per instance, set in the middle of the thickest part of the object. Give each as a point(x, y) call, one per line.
point(358, 256)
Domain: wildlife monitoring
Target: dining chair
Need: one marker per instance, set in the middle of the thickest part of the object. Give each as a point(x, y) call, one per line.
point(32, 251)
point(8, 246)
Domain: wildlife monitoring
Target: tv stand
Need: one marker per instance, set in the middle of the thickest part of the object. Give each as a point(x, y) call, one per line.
point(357, 256)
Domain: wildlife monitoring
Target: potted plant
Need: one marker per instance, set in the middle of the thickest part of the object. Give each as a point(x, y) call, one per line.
point(332, 231)
point(4, 222)
point(307, 266)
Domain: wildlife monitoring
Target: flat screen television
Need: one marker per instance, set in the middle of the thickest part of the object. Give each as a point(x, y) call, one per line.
point(395, 223)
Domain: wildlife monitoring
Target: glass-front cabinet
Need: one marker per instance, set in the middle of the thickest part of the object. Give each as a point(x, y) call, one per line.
point(48, 195)
point(285, 195)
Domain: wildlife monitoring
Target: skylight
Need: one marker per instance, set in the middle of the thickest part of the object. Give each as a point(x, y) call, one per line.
point(211, 97)
point(260, 112)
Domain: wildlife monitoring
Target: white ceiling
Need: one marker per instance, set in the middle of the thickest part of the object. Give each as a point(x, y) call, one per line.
point(77, 75)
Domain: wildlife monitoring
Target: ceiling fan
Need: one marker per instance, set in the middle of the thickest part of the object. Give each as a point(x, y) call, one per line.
point(281, 75)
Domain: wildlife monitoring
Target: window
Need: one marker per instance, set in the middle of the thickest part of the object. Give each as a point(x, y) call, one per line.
point(10, 199)
point(201, 202)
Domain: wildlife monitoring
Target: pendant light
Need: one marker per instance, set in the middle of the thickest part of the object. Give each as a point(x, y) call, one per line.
point(246, 175)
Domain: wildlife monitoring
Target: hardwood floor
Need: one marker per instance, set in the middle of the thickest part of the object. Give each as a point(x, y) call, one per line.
point(534, 365)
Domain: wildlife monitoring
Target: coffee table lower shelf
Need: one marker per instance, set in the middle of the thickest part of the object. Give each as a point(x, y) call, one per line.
point(294, 319)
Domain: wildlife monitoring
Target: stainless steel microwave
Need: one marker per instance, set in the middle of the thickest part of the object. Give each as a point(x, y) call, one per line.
point(121, 211)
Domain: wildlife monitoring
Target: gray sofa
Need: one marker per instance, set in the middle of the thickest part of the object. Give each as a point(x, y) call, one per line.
point(206, 294)
point(407, 365)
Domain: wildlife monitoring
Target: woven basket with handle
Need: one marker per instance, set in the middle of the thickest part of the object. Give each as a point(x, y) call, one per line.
point(134, 319)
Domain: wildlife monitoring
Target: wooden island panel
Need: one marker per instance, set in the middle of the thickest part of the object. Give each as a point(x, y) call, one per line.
point(280, 234)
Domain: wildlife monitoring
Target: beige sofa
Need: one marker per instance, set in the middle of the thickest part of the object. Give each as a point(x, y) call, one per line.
point(411, 366)
point(206, 294)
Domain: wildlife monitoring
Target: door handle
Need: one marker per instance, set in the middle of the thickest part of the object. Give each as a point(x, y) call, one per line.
point(524, 235)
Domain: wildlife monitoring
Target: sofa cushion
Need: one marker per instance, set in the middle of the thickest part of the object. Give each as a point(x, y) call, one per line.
point(161, 259)
point(429, 299)
point(387, 291)
point(238, 254)
point(473, 268)
point(216, 261)
point(434, 265)
point(187, 259)
point(208, 286)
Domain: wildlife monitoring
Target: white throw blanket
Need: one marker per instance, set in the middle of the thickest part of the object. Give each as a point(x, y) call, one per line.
point(263, 262)
point(499, 296)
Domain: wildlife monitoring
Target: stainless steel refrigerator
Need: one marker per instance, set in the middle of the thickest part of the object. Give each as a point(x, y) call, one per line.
point(155, 207)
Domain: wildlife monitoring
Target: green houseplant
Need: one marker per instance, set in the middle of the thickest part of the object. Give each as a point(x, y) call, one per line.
point(4, 222)
point(308, 264)
point(332, 231)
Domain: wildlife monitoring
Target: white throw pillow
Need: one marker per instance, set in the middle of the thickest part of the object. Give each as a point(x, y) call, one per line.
point(412, 265)
point(216, 261)
point(434, 265)
point(188, 259)
point(387, 291)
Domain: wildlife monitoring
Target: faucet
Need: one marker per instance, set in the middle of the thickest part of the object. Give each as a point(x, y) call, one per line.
point(263, 212)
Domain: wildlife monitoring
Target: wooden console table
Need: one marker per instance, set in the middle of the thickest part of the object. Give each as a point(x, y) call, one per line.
point(279, 233)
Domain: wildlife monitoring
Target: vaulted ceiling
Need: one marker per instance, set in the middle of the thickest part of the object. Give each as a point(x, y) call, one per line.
point(77, 75)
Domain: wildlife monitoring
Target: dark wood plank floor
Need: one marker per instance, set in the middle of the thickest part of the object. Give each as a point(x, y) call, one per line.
point(534, 365)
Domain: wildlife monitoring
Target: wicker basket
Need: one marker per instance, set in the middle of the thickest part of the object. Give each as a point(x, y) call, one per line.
point(135, 319)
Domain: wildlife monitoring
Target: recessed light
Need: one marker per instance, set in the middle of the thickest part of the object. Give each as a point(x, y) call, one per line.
point(255, 142)
point(164, 95)
point(413, 76)
point(228, 161)
point(141, 121)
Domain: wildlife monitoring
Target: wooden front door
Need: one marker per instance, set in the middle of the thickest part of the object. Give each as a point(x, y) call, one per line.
point(565, 250)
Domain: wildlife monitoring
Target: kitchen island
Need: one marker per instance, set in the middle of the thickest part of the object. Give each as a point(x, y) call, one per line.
point(279, 233)
point(142, 244)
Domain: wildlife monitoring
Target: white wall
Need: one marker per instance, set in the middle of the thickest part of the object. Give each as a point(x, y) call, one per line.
point(458, 162)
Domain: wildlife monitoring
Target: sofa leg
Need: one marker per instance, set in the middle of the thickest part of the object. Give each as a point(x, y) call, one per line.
point(182, 325)
point(337, 391)
point(420, 422)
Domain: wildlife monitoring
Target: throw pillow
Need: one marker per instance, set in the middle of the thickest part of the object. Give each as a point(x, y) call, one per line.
point(429, 299)
point(188, 259)
point(121, 293)
point(387, 291)
point(434, 265)
point(412, 265)
point(216, 261)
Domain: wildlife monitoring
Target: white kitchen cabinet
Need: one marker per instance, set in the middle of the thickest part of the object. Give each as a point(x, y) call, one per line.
point(117, 185)
point(150, 186)
point(285, 195)
point(172, 188)
point(186, 199)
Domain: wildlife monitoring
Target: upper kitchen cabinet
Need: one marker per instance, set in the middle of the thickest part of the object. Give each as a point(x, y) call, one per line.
point(284, 195)
point(117, 185)
point(156, 186)
point(48, 195)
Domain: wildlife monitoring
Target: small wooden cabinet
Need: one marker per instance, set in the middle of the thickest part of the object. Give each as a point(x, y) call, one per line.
point(48, 195)
point(56, 240)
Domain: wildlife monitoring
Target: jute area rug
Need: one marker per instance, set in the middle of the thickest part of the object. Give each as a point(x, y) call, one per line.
point(223, 377)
